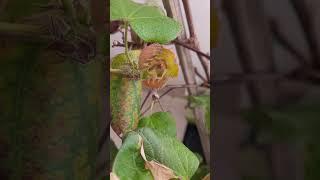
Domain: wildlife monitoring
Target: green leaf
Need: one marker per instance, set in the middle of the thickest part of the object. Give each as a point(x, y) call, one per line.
point(148, 22)
point(169, 152)
point(129, 164)
point(200, 158)
point(204, 102)
point(162, 122)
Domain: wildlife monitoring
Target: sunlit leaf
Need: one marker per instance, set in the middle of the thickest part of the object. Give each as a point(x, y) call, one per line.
point(163, 122)
point(148, 22)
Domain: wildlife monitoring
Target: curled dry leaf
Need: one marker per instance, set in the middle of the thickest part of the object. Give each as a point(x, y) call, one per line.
point(158, 65)
point(159, 171)
point(113, 176)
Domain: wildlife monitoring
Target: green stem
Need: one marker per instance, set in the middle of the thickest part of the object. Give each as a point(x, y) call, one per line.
point(126, 25)
point(115, 70)
point(126, 37)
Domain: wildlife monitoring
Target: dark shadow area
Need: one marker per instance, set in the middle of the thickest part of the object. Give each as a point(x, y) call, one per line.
point(53, 89)
point(266, 90)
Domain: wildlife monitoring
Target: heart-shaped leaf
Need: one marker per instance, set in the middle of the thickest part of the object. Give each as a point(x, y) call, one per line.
point(129, 164)
point(162, 122)
point(159, 171)
point(148, 22)
point(170, 152)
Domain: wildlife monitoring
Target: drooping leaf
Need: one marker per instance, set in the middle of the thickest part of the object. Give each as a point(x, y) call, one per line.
point(170, 152)
point(148, 22)
point(163, 122)
point(129, 164)
point(125, 96)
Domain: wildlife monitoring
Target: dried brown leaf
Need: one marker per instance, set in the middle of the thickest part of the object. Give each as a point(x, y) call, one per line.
point(159, 171)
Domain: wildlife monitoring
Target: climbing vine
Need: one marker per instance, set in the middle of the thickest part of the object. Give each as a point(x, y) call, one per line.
point(150, 148)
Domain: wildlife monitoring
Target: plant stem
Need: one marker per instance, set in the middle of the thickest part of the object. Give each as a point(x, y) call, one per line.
point(190, 47)
point(118, 71)
point(126, 37)
point(126, 25)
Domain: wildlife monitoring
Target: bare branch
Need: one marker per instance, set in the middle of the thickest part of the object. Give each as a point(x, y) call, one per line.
point(189, 18)
point(188, 46)
point(174, 10)
point(199, 75)
point(205, 67)
point(145, 99)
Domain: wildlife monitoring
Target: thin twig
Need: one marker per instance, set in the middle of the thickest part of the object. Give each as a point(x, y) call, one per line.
point(189, 18)
point(199, 75)
point(173, 87)
point(205, 67)
point(193, 37)
point(119, 44)
point(188, 46)
point(126, 37)
point(145, 99)
point(162, 109)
